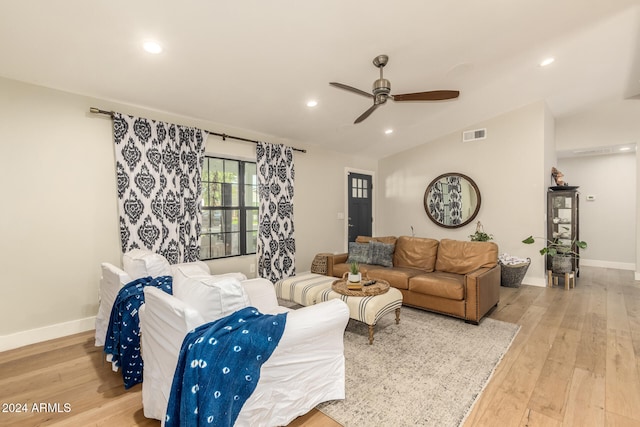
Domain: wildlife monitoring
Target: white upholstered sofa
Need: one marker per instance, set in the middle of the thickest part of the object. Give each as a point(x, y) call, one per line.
point(306, 368)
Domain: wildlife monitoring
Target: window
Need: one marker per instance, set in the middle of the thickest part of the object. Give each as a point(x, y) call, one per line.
point(229, 208)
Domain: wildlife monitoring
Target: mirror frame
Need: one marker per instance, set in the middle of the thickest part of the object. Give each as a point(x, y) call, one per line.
point(428, 191)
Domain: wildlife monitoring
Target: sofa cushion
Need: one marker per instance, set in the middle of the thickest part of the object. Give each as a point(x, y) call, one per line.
point(381, 253)
point(462, 257)
point(398, 277)
point(391, 240)
point(415, 252)
point(212, 297)
point(439, 284)
point(138, 263)
point(358, 252)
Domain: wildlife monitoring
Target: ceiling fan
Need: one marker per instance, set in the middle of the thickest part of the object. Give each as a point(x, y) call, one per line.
point(382, 88)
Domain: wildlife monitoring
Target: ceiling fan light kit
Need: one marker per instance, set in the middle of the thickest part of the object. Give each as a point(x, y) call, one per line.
point(381, 91)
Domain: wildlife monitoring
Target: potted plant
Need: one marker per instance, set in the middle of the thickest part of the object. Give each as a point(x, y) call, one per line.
point(480, 235)
point(354, 273)
point(560, 252)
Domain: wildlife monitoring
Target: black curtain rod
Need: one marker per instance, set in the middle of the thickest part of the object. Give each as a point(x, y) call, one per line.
point(224, 136)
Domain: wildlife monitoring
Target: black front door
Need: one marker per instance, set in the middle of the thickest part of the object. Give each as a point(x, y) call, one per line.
point(359, 188)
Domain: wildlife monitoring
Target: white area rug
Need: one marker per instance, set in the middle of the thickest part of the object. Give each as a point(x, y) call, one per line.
point(426, 371)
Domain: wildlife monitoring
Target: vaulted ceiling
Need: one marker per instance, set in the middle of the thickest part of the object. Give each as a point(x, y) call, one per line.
point(254, 64)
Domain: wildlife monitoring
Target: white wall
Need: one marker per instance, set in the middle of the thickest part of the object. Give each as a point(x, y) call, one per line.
point(59, 217)
point(607, 222)
point(613, 122)
point(509, 167)
point(58, 212)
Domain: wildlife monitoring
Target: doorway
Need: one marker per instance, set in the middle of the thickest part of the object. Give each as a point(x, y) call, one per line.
point(359, 205)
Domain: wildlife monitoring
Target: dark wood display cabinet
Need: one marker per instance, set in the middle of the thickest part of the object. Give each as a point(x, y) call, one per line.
point(563, 225)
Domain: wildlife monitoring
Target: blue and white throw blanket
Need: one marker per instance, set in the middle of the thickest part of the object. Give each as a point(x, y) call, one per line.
point(123, 334)
point(219, 367)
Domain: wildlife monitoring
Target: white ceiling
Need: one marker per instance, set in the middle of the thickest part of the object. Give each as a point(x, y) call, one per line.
point(253, 64)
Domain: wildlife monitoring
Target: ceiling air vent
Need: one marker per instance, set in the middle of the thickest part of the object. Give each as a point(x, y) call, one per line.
point(474, 135)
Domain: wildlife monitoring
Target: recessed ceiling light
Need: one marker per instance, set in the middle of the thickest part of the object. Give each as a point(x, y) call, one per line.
point(388, 131)
point(547, 61)
point(152, 47)
point(312, 103)
point(625, 148)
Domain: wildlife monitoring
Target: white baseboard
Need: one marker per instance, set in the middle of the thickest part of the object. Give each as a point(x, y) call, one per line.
point(32, 336)
point(608, 264)
point(542, 281)
point(535, 281)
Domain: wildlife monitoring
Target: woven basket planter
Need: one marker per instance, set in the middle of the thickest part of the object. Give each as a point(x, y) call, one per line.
point(319, 263)
point(511, 275)
point(561, 264)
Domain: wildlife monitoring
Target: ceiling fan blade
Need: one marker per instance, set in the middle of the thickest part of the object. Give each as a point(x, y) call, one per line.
point(434, 95)
point(366, 113)
point(351, 89)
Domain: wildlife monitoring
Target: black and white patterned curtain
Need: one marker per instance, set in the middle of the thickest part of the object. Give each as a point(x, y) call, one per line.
point(276, 243)
point(159, 167)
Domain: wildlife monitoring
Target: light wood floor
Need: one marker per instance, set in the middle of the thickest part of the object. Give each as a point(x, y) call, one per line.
point(575, 362)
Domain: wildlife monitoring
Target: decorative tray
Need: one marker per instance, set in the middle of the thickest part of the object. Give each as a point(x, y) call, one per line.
point(342, 287)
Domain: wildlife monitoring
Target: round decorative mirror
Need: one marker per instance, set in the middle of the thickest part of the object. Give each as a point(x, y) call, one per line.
point(452, 200)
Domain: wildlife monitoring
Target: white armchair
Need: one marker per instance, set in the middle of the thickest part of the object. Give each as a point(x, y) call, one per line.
point(306, 368)
point(137, 263)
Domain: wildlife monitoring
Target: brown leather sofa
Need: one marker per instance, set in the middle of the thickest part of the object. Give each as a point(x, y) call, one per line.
point(453, 277)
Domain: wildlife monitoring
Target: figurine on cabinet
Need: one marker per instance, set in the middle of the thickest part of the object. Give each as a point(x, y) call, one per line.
point(558, 176)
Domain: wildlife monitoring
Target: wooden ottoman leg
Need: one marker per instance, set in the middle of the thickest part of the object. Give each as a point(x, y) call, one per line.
point(398, 316)
point(371, 334)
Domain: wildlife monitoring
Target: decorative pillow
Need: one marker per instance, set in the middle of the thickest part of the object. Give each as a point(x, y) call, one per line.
point(184, 272)
point(191, 266)
point(139, 263)
point(212, 297)
point(358, 252)
point(238, 276)
point(381, 253)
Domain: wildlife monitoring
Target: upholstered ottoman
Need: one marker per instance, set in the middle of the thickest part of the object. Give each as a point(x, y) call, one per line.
point(368, 309)
point(303, 288)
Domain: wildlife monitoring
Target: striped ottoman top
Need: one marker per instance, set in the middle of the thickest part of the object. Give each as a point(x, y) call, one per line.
point(303, 288)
